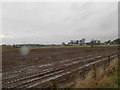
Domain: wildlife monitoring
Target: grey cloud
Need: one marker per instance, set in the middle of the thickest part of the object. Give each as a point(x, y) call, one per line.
point(56, 22)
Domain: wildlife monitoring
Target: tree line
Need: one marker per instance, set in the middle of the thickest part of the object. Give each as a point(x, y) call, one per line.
point(92, 42)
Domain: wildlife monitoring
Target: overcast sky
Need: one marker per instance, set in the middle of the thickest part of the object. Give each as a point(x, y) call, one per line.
point(57, 22)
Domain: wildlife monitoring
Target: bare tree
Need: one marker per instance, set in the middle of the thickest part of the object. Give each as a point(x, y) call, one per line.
point(93, 42)
point(63, 43)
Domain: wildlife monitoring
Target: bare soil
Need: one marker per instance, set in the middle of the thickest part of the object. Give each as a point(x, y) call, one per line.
point(14, 60)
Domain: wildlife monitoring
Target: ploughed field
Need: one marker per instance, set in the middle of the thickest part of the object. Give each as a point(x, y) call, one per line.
point(41, 66)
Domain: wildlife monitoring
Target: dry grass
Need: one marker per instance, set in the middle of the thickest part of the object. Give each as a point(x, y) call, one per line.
point(100, 73)
point(102, 78)
point(104, 81)
point(86, 83)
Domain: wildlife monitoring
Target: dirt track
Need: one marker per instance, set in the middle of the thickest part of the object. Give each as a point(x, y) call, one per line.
point(22, 71)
